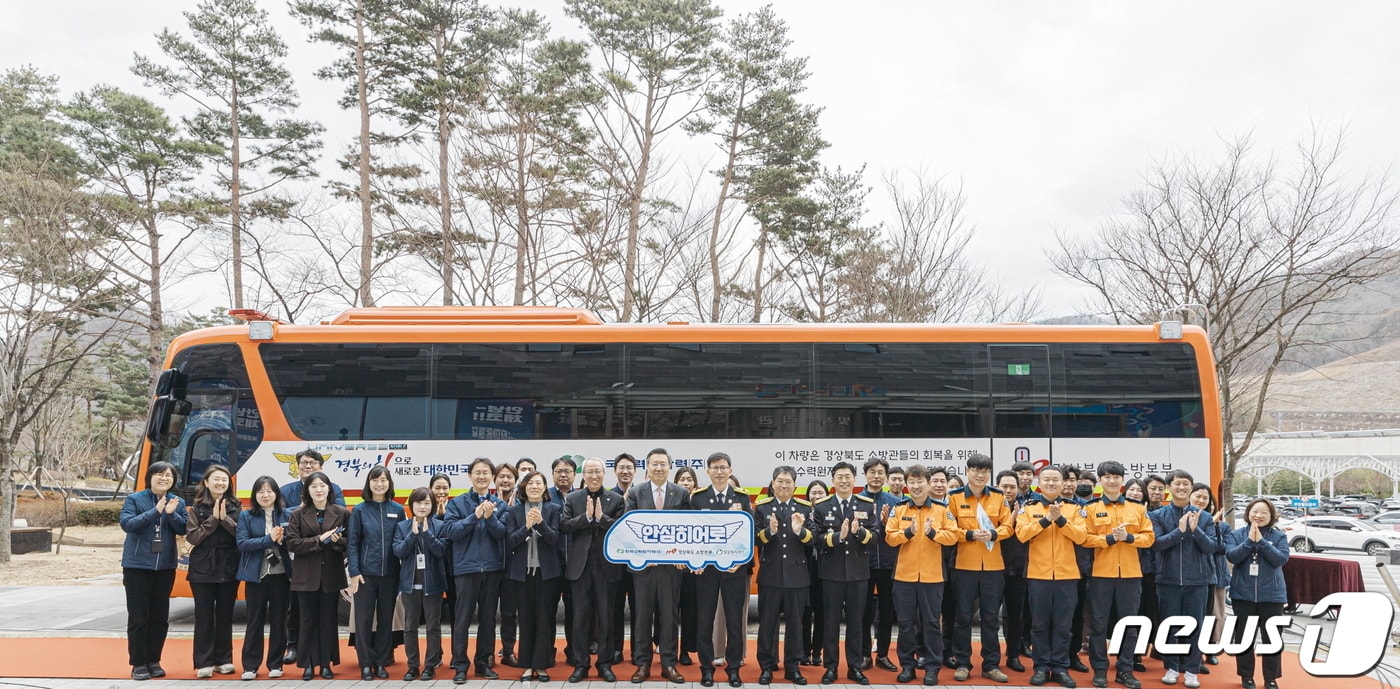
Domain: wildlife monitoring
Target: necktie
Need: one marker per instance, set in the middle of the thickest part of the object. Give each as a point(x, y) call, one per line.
point(660, 498)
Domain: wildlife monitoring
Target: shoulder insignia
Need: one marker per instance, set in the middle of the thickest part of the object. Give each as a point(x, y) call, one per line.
point(764, 500)
point(861, 496)
point(698, 491)
point(821, 500)
point(801, 501)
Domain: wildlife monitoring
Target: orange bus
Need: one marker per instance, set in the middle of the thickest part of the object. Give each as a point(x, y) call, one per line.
point(424, 390)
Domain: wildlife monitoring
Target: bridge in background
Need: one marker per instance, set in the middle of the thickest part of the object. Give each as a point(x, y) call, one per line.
point(1324, 455)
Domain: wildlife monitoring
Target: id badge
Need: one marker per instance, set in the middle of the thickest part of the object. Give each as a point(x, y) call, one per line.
point(422, 561)
point(157, 546)
point(1254, 569)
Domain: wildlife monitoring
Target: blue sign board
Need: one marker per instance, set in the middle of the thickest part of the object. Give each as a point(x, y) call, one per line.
point(1304, 502)
point(692, 539)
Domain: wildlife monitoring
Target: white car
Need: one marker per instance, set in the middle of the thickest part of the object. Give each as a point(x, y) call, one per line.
point(1316, 534)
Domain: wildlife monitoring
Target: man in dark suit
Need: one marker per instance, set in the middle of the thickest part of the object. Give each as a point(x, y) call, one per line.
point(563, 471)
point(715, 586)
point(657, 585)
point(623, 595)
point(783, 581)
point(587, 515)
point(846, 525)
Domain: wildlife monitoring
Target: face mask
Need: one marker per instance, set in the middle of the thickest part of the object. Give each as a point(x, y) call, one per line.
point(1084, 491)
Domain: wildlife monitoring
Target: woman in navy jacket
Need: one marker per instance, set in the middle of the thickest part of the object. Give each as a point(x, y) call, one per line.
point(1257, 590)
point(374, 571)
point(532, 528)
point(419, 545)
point(265, 570)
point(151, 518)
point(213, 573)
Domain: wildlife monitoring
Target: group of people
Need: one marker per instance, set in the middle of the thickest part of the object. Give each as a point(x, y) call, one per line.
point(1089, 548)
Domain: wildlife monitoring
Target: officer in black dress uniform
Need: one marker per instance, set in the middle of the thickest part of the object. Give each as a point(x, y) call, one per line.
point(782, 522)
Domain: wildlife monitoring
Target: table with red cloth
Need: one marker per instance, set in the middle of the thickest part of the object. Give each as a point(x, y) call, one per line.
point(1310, 578)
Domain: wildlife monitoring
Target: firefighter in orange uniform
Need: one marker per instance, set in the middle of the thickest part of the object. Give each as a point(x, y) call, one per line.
point(920, 527)
point(1051, 524)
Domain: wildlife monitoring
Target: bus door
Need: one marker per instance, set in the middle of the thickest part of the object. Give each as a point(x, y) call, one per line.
point(1020, 395)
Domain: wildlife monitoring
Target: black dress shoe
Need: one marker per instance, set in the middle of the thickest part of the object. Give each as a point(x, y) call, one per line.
point(931, 677)
point(486, 673)
point(884, 664)
point(950, 663)
point(607, 674)
point(290, 657)
point(858, 677)
point(1138, 666)
point(1100, 678)
point(578, 675)
point(1212, 660)
point(707, 677)
point(1270, 684)
point(829, 677)
point(411, 675)
point(905, 676)
point(1014, 663)
point(671, 674)
point(427, 675)
point(542, 676)
point(156, 670)
point(796, 677)
point(1128, 680)
point(1039, 677)
point(460, 677)
point(140, 673)
point(380, 672)
point(617, 657)
point(508, 659)
point(1063, 679)
point(865, 663)
point(766, 677)
point(306, 676)
point(1247, 683)
point(734, 680)
point(684, 659)
point(366, 674)
point(1204, 670)
point(1077, 665)
point(326, 672)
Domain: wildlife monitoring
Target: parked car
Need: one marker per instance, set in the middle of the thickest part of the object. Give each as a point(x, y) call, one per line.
point(1387, 519)
point(1316, 534)
point(1363, 510)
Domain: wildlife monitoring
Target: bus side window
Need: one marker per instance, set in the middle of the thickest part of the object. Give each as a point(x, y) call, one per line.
point(206, 448)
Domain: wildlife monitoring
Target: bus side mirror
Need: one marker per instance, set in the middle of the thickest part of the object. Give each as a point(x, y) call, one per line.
point(167, 421)
point(170, 380)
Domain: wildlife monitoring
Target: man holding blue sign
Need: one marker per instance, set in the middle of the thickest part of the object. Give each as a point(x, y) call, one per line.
point(721, 586)
point(657, 585)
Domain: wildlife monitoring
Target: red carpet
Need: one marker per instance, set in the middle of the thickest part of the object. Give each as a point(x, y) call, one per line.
point(82, 658)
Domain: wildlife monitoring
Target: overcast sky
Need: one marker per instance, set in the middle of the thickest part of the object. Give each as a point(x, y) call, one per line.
point(1048, 113)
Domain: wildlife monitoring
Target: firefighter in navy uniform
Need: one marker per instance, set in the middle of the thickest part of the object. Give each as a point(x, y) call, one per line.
point(783, 523)
point(715, 587)
point(846, 524)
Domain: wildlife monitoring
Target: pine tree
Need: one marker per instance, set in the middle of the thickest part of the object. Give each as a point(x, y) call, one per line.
point(656, 62)
point(523, 157)
point(232, 68)
point(751, 107)
point(140, 165)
